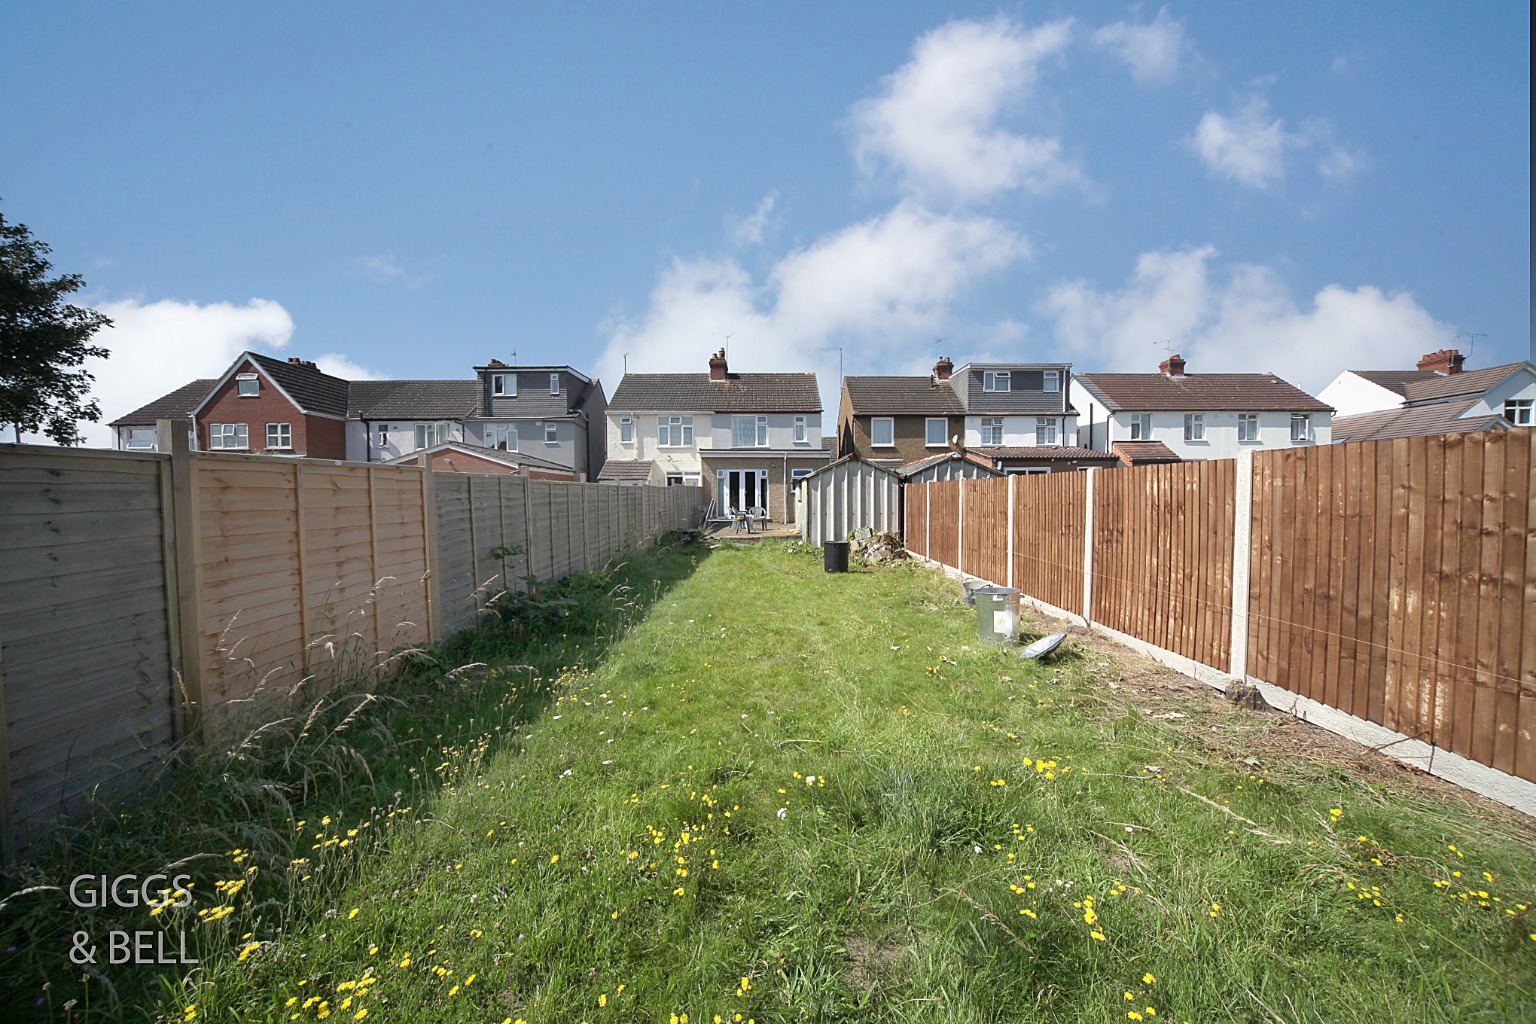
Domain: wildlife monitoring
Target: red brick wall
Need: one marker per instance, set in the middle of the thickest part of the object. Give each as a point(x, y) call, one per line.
point(317, 437)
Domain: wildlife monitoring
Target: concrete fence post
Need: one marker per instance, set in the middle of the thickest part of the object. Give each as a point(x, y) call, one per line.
point(1008, 544)
point(1242, 554)
point(960, 528)
point(189, 611)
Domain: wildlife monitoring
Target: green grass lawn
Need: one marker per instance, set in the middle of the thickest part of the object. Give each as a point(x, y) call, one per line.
point(786, 795)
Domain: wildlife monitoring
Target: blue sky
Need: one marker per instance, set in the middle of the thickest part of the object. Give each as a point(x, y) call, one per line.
point(409, 190)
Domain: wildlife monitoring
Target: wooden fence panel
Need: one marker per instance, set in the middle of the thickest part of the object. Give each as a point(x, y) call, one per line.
point(1048, 527)
point(944, 522)
point(985, 536)
point(915, 516)
point(1162, 556)
point(86, 656)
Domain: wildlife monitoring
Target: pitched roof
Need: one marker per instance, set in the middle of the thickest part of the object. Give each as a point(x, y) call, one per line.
point(1394, 380)
point(851, 457)
point(480, 451)
point(1437, 387)
point(883, 396)
point(1204, 392)
point(174, 406)
point(615, 469)
point(1414, 421)
point(933, 460)
point(414, 399)
point(313, 389)
point(1044, 453)
point(739, 392)
point(1143, 453)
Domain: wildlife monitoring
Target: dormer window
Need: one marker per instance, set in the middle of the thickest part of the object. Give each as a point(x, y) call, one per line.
point(503, 385)
point(554, 383)
point(248, 385)
point(1053, 380)
point(996, 380)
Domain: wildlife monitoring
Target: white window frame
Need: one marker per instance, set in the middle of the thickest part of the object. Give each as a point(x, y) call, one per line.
point(1301, 428)
point(280, 429)
point(943, 422)
point(433, 434)
point(229, 437)
point(499, 434)
point(626, 430)
point(142, 443)
point(692, 480)
point(755, 427)
point(800, 431)
point(1052, 381)
point(554, 383)
point(243, 379)
point(499, 387)
point(799, 474)
point(1247, 424)
point(875, 423)
point(1520, 412)
point(1046, 429)
point(551, 433)
point(990, 424)
point(1141, 426)
point(999, 381)
point(674, 431)
point(1194, 426)
point(1025, 470)
point(383, 436)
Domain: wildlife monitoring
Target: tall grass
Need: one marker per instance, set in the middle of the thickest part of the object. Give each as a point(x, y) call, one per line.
point(300, 805)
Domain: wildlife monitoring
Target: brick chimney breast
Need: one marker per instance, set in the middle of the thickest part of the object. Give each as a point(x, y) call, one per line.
point(1173, 366)
point(943, 368)
point(717, 366)
point(1446, 361)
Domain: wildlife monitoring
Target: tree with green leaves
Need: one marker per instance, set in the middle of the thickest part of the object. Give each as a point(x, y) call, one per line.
point(43, 342)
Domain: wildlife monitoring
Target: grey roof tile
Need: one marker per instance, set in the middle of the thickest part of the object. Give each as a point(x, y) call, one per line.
point(174, 406)
point(312, 389)
point(415, 399)
point(626, 470)
point(1414, 421)
point(1205, 392)
point(739, 392)
point(884, 396)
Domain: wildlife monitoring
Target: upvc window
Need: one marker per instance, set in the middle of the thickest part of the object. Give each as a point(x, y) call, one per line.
point(992, 431)
point(429, 434)
point(800, 474)
point(935, 431)
point(228, 435)
point(1194, 426)
point(554, 383)
point(383, 435)
point(1045, 430)
point(248, 385)
point(996, 380)
point(1247, 426)
point(502, 436)
point(1301, 426)
point(674, 431)
point(882, 432)
point(140, 439)
point(1519, 411)
point(800, 437)
point(551, 433)
point(279, 435)
point(1141, 426)
point(626, 430)
point(504, 385)
point(1053, 380)
point(749, 431)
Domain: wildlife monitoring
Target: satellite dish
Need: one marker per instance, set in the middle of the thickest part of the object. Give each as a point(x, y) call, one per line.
point(954, 439)
point(1043, 647)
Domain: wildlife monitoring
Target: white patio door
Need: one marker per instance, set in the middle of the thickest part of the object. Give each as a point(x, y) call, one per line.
point(742, 489)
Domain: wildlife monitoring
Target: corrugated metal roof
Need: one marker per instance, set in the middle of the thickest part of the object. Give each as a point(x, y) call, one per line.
point(174, 406)
point(739, 392)
point(1205, 392)
point(881, 396)
point(1414, 421)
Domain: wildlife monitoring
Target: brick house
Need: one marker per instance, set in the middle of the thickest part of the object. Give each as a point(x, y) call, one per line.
point(275, 407)
point(138, 430)
point(1438, 397)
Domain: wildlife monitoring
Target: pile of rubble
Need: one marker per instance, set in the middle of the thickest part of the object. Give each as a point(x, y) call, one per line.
point(878, 547)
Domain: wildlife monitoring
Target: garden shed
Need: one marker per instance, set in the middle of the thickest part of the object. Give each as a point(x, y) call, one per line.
point(844, 496)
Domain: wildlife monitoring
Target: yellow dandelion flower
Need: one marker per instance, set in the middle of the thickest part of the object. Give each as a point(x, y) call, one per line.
point(1148, 979)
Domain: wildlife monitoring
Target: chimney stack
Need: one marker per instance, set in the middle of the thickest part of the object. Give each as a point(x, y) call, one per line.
point(943, 368)
point(1446, 361)
point(717, 366)
point(296, 361)
point(1173, 366)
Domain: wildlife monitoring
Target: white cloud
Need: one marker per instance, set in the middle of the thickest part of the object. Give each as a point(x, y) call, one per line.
point(874, 288)
point(385, 269)
point(1238, 319)
point(1153, 50)
point(338, 365)
point(749, 230)
point(1248, 147)
point(934, 122)
point(1340, 164)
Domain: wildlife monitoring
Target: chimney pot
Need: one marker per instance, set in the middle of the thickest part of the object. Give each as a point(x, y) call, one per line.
point(1173, 366)
point(943, 368)
point(1446, 361)
point(717, 368)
